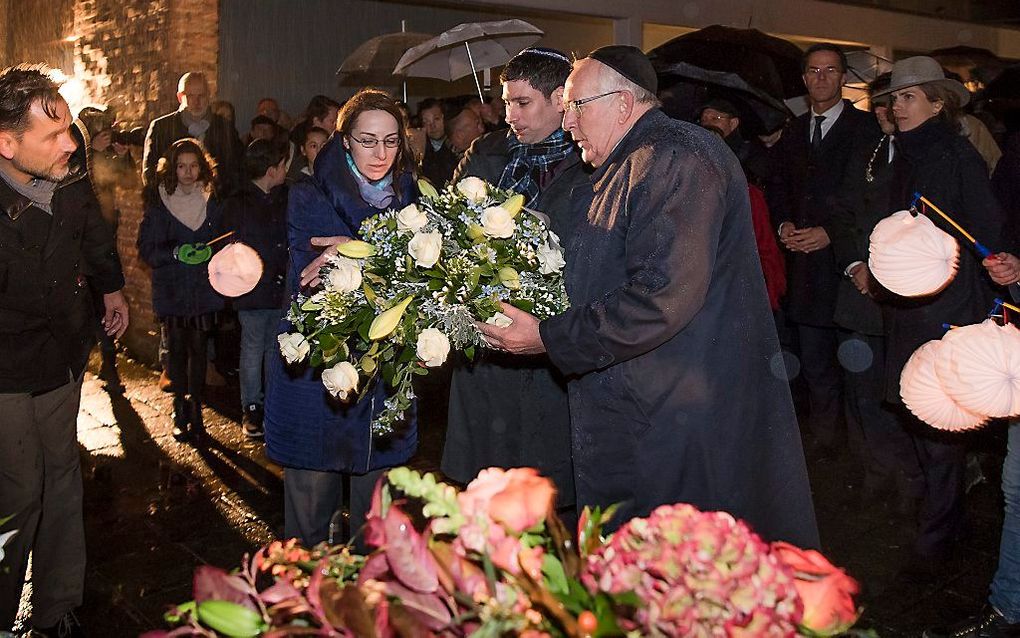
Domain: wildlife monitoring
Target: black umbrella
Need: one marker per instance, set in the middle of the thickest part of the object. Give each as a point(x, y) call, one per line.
point(373, 61)
point(685, 88)
point(767, 63)
point(1006, 86)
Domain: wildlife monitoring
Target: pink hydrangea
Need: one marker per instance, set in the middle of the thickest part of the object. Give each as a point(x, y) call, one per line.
point(697, 574)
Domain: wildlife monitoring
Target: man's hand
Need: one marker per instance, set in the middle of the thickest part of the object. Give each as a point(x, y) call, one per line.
point(1004, 268)
point(860, 276)
point(115, 321)
point(520, 337)
point(310, 275)
point(807, 240)
point(786, 230)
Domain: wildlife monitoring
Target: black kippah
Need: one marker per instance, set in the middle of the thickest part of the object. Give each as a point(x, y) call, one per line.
point(629, 62)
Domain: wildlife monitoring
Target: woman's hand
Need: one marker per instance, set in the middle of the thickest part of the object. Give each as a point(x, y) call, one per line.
point(1004, 268)
point(310, 275)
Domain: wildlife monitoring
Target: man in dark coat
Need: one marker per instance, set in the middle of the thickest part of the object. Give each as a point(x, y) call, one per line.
point(195, 119)
point(52, 233)
point(671, 355)
point(814, 156)
point(439, 160)
point(508, 411)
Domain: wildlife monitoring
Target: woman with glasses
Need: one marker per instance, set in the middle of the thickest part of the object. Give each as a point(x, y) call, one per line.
point(363, 169)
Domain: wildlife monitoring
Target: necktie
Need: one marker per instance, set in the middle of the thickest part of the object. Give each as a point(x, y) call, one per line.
point(816, 139)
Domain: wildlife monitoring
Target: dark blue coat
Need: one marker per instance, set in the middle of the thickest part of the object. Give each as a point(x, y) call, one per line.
point(259, 220)
point(306, 428)
point(670, 344)
point(178, 289)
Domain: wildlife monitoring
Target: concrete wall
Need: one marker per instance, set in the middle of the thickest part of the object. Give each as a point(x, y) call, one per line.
point(798, 18)
point(291, 50)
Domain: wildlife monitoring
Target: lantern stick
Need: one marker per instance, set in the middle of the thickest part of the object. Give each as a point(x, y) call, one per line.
point(223, 236)
point(1007, 305)
point(980, 248)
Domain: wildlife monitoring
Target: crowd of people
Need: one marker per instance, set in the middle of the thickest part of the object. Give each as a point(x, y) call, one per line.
point(696, 253)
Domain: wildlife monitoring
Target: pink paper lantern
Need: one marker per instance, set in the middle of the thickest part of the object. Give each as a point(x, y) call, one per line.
point(235, 270)
point(922, 392)
point(911, 256)
point(979, 367)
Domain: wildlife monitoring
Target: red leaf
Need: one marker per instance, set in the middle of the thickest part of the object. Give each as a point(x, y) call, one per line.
point(428, 609)
point(213, 583)
point(408, 554)
point(279, 592)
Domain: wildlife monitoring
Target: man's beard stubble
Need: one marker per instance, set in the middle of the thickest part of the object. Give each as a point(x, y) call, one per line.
point(54, 172)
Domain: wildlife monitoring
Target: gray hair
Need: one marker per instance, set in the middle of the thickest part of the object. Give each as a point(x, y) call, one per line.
point(610, 80)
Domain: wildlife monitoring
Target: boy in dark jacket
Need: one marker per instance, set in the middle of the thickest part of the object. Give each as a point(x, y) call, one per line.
point(257, 214)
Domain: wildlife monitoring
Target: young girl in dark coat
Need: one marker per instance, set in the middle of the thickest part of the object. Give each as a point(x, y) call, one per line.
point(182, 214)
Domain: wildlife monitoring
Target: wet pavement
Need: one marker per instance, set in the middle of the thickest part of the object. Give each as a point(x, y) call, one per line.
point(155, 509)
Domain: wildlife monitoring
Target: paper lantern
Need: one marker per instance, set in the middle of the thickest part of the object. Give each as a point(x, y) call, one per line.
point(235, 270)
point(922, 392)
point(911, 256)
point(979, 367)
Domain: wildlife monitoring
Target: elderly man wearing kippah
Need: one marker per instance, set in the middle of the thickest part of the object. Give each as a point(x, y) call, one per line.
point(676, 390)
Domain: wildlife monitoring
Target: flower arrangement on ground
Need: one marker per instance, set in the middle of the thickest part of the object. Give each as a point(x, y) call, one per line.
point(494, 560)
point(395, 303)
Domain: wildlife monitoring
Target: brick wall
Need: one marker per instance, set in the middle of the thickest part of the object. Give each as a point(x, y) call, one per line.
point(127, 55)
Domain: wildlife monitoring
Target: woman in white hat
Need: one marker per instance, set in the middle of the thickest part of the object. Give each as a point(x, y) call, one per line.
point(937, 162)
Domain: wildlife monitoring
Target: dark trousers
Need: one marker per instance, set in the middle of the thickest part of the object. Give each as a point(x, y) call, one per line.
point(313, 500)
point(40, 485)
point(824, 380)
point(186, 358)
point(885, 447)
point(943, 463)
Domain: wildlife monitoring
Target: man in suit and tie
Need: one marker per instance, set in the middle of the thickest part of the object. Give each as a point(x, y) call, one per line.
point(815, 151)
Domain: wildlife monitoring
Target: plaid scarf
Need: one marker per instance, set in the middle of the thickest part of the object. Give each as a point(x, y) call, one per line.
point(528, 161)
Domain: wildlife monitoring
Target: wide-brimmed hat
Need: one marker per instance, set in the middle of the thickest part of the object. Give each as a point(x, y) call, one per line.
point(922, 70)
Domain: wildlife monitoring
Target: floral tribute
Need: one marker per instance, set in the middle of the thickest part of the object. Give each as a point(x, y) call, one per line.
point(494, 560)
point(396, 302)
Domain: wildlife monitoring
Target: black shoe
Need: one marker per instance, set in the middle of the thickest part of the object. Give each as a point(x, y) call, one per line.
point(68, 627)
point(195, 416)
point(988, 624)
point(251, 421)
point(182, 418)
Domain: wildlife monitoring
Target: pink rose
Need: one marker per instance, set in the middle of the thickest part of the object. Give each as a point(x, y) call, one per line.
point(826, 591)
point(518, 498)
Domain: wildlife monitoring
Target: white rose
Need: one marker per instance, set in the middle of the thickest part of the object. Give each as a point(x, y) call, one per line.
point(433, 347)
point(499, 320)
point(340, 380)
point(425, 248)
point(550, 259)
point(293, 347)
point(497, 222)
point(410, 218)
point(474, 189)
point(345, 275)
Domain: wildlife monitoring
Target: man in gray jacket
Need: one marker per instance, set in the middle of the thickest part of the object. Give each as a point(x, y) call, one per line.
point(512, 411)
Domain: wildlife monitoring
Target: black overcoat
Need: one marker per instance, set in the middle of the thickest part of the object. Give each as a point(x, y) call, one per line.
point(47, 321)
point(810, 182)
point(505, 410)
point(670, 342)
point(944, 167)
point(861, 204)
